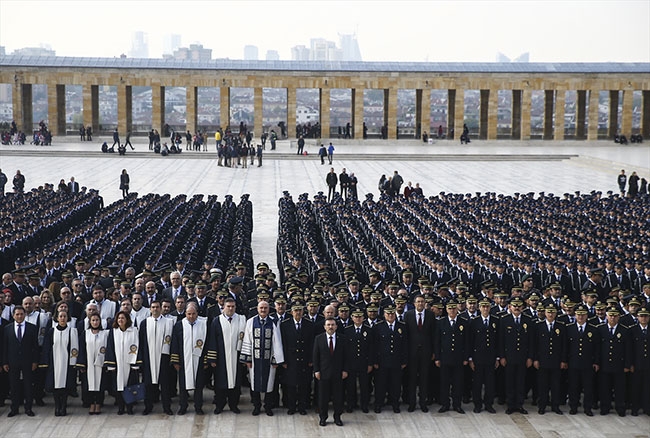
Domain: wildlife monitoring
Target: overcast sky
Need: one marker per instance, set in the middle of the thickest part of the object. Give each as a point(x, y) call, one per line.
point(552, 31)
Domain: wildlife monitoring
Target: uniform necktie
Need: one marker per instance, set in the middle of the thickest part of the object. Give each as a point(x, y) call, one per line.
point(20, 332)
point(331, 345)
point(419, 321)
point(451, 323)
point(611, 331)
point(581, 330)
point(485, 321)
point(262, 321)
point(391, 327)
point(298, 327)
point(645, 331)
point(358, 330)
point(550, 327)
point(517, 320)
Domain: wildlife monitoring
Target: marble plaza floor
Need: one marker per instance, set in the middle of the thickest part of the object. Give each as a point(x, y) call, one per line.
point(496, 166)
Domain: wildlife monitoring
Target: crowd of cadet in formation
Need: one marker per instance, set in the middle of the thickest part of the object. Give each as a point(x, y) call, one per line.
point(460, 300)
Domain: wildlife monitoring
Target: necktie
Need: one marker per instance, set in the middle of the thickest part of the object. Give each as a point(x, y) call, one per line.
point(391, 327)
point(20, 332)
point(485, 321)
point(358, 330)
point(331, 345)
point(581, 330)
point(262, 321)
point(451, 323)
point(645, 331)
point(517, 321)
point(201, 303)
point(230, 319)
point(611, 331)
point(298, 327)
point(419, 321)
point(550, 327)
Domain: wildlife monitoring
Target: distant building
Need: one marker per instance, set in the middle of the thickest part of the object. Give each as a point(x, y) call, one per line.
point(251, 53)
point(323, 50)
point(171, 43)
point(350, 48)
point(195, 52)
point(2, 51)
point(139, 45)
point(34, 51)
point(299, 53)
point(524, 57)
point(272, 55)
point(306, 115)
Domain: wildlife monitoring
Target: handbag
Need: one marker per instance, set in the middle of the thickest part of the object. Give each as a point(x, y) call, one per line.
point(133, 393)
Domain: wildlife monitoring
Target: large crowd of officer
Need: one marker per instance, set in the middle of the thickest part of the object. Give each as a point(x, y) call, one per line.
point(458, 300)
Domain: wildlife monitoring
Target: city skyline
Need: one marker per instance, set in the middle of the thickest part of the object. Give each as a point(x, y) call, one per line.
point(471, 31)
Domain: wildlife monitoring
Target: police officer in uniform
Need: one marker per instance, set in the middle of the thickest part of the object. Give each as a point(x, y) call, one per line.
point(298, 344)
point(359, 340)
point(549, 358)
point(483, 356)
point(640, 335)
point(615, 361)
point(449, 349)
point(582, 357)
point(391, 357)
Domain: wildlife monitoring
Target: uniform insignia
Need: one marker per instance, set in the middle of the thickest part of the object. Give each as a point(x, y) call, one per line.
point(525, 326)
point(618, 335)
point(168, 339)
point(102, 350)
point(494, 325)
point(199, 343)
point(589, 335)
point(461, 328)
point(74, 352)
point(557, 331)
point(365, 334)
point(133, 349)
point(399, 330)
point(509, 327)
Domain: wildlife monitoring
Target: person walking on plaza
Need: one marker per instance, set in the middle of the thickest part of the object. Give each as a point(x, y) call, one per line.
point(128, 141)
point(330, 152)
point(322, 153)
point(124, 183)
point(622, 182)
point(116, 138)
point(259, 155)
point(301, 145)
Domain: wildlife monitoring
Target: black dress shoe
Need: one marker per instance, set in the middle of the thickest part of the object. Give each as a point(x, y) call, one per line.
point(146, 412)
point(166, 411)
point(119, 412)
point(322, 422)
point(411, 409)
point(269, 412)
point(338, 422)
point(425, 409)
point(291, 412)
point(396, 410)
point(604, 412)
point(349, 410)
point(588, 413)
point(443, 409)
point(523, 411)
point(377, 410)
point(217, 411)
point(477, 410)
point(459, 410)
point(621, 413)
point(235, 410)
point(29, 413)
point(365, 410)
point(302, 412)
point(573, 411)
point(634, 413)
point(541, 411)
point(199, 411)
point(129, 410)
point(182, 411)
point(491, 410)
point(558, 411)
point(509, 411)
point(40, 402)
point(256, 412)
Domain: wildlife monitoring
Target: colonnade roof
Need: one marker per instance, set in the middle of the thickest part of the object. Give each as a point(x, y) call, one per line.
point(325, 66)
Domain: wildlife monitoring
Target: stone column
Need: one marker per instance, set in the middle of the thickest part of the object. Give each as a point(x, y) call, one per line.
point(124, 109)
point(459, 112)
point(258, 111)
point(91, 106)
point(224, 108)
point(484, 107)
point(493, 115)
point(422, 112)
point(560, 96)
point(549, 97)
point(357, 113)
point(645, 114)
point(324, 113)
point(191, 105)
point(56, 109)
point(291, 112)
point(525, 114)
point(592, 129)
point(581, 111)
point(516, 115)
point(390, 107)
point(626, 122)
point(22, 108)
point(451, 114)
point(158, 108)
point(612, 125)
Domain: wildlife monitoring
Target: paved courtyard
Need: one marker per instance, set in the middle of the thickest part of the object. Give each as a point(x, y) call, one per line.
point(495, 166)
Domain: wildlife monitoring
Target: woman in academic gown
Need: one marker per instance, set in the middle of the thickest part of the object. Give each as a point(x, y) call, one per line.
point(93, 343)
point(59, 357)
point(122, 357)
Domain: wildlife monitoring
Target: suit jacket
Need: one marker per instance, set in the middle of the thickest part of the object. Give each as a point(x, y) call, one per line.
point(516, 341)
point(420, 340)
point(641, 349)
point(582, 352)
point(450, 342)
point(359, 348)
point(20, 354)
point(549, 347)
point(505, 283)
point(391, 347)
point(298, 349)
point(167, 292)
point(330, 366)
point(616, 352)
point(482, 344)
point(208, 302)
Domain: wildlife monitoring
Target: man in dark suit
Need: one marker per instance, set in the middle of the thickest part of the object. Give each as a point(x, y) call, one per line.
point(297, 344)
point(548, 359)
point(450, 342)
point(73, 186)
point(640, 335)
point(359, 343)
point(420, 326)
point(330, 370)
point(515, 352)
point(482, 355)
point(582, 358)
point(616, 355)
point(176, 287)
point(390, 349)
point(20, 358)
point(204, 302)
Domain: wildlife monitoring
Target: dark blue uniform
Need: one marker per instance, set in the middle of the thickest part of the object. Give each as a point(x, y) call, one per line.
point(582, 355)
point(549, 354)
point(483, 351)
point(449, 347)
point(515, 341)
point(391, 356)
point(615, 356)
point(360, 357)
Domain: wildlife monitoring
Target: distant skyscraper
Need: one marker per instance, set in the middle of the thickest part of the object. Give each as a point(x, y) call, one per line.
point(524, 57)
point(251, 53)
point(299, 53)
point(139, 45)
point(501, 57)
point(350, 48)
point(195, 52)
point(272, 55)
point(2, 50)
point(35, 51)
point(171, 42)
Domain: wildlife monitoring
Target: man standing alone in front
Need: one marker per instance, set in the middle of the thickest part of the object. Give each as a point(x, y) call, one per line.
point(331, 180)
